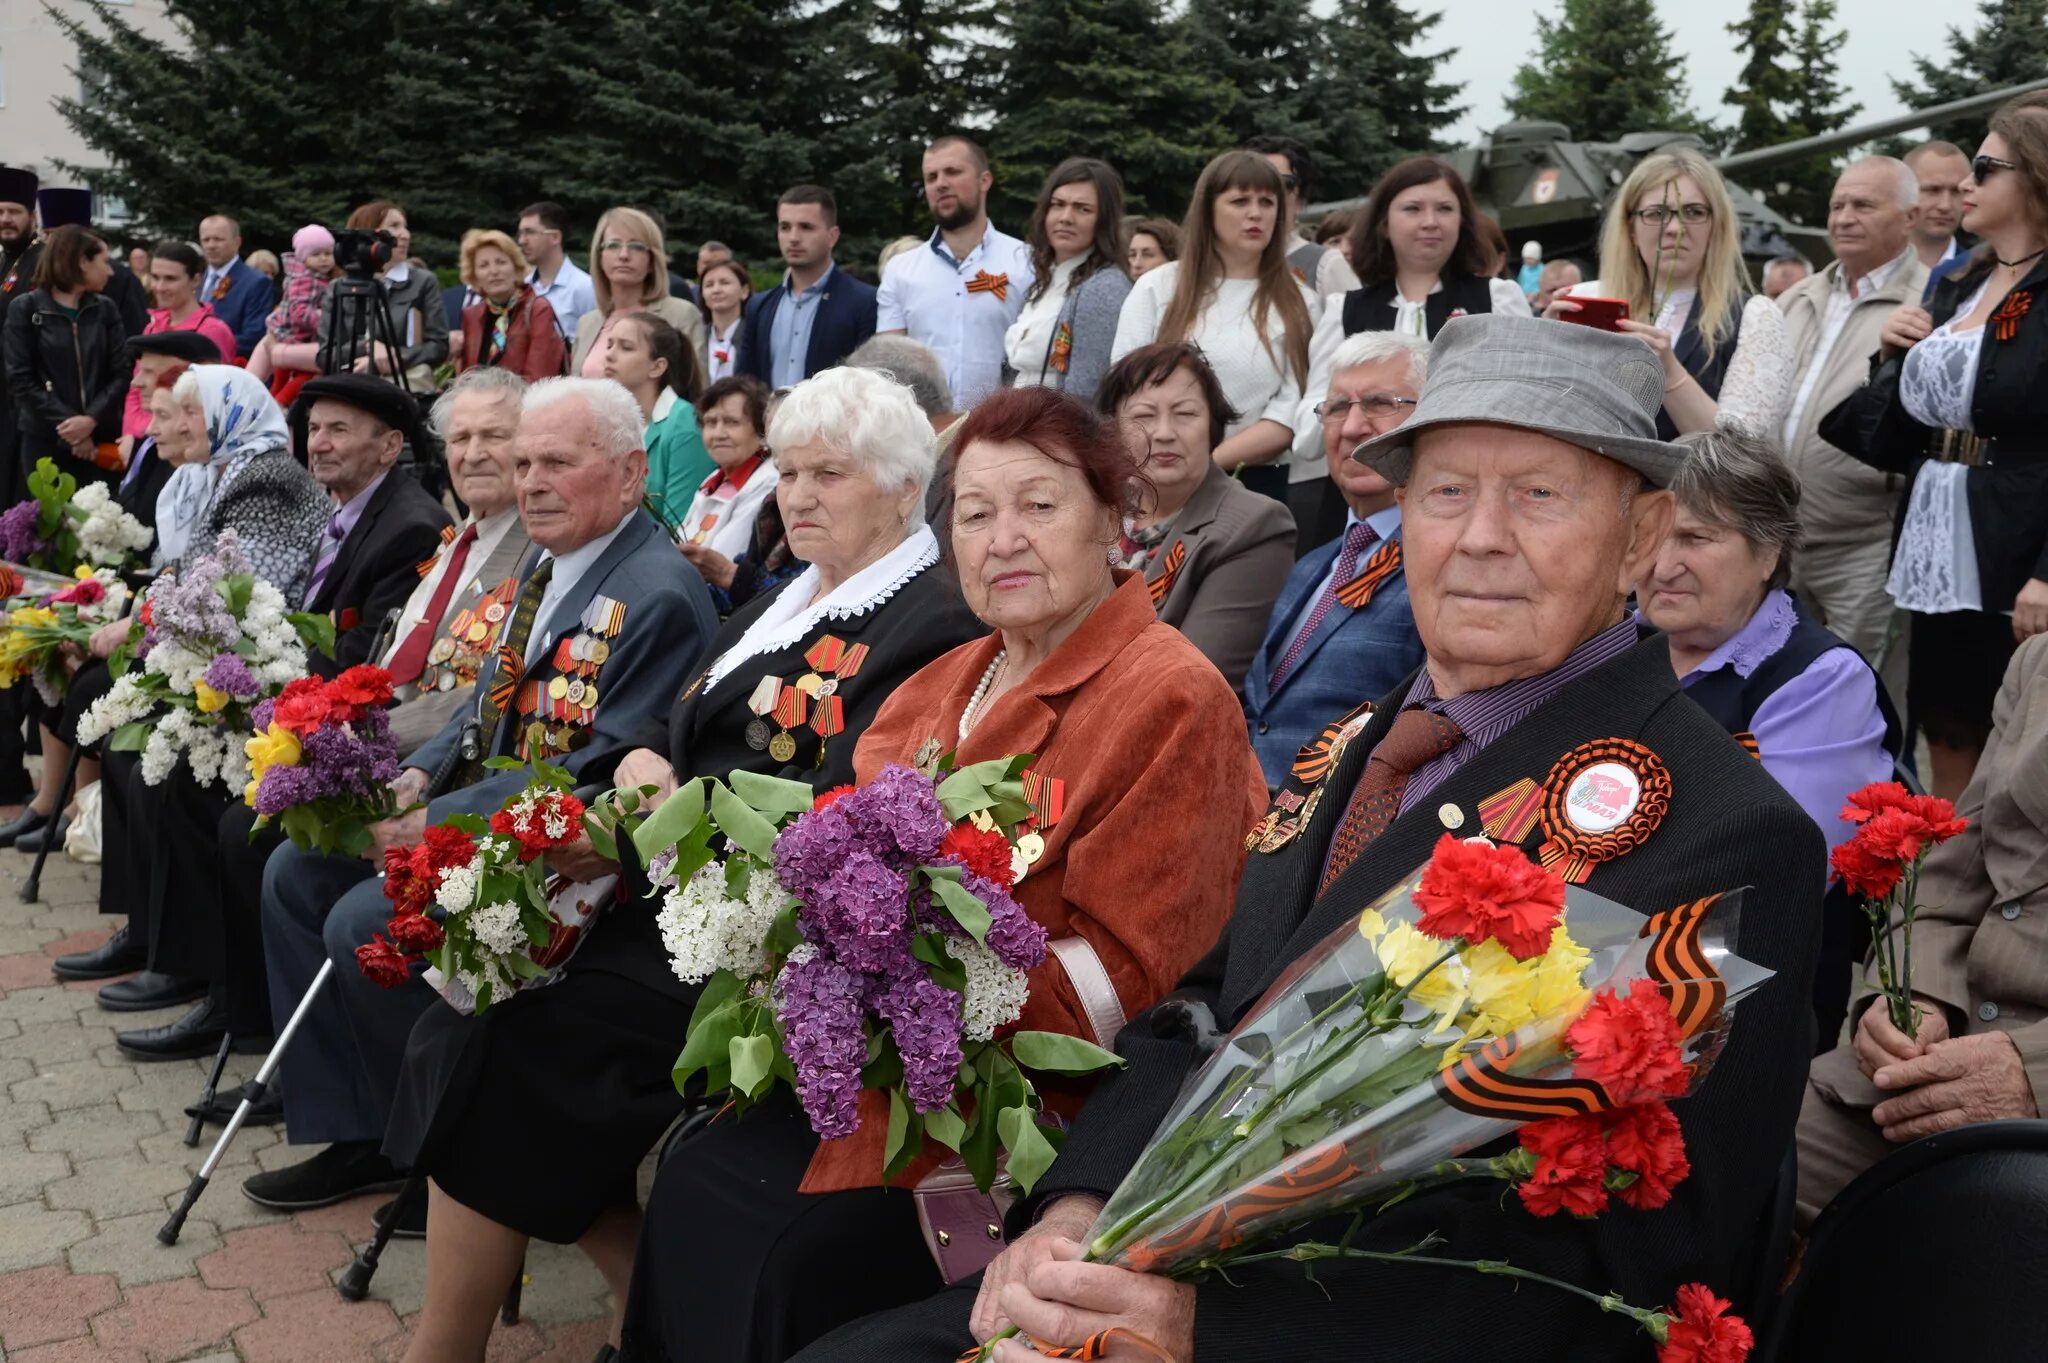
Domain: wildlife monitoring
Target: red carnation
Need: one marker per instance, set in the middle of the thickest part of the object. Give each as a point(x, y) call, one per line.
point(1644, 1140)
point(383, 963)
point(447, 847)
point(302, 706)
point(530, 828)
point(827, 798)
point(985, 853)
point(408, 891)
point(416, 934)
point(362, 686)
point(1866, 874)
point(1874, 799)
point(1571, 1167)
point(1700, 1331)
point(1477, 891)
point(1628, 1044)
point(87, 591)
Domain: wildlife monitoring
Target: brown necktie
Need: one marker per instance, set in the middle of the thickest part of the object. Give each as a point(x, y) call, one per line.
point(1417, 736)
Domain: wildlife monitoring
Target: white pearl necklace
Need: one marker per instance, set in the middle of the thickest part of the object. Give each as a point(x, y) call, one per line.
point(974, 702)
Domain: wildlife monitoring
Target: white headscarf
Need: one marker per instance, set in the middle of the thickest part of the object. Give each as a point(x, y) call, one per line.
point(242, 421)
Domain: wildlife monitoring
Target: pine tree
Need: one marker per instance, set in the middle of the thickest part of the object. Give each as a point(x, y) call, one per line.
point(1105, 78)
point(1605, 68)
point(2009, 46)
point(1379, 100)
point(1264, 49)
point(1817, 107)
point(1763, 92)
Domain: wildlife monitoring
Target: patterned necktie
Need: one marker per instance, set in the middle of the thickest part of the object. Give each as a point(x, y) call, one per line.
point(1357, 540)
point(411, 658)
point(510, 669)
point(330, 550)
point(1417, 737)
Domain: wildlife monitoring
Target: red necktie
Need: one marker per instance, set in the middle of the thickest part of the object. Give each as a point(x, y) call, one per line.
point(1357, 540)
point(411, 657)
point(1417, 737)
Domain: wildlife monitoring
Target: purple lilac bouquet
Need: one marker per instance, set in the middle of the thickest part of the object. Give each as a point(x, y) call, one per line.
point(872, 946)
point(323, 758)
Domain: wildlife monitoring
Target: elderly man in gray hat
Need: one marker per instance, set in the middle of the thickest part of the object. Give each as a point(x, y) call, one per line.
point(1530, 479)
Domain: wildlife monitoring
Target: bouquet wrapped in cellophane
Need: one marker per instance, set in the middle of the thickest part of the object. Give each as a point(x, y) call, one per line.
point(35, 634)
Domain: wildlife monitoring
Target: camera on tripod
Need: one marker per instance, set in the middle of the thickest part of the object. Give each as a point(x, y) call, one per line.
point(363, 253)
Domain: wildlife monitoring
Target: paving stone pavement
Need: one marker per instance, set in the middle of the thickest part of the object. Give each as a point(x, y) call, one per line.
point(92, 1158)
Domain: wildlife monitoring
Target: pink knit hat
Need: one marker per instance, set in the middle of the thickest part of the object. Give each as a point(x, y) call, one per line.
point(310, 239)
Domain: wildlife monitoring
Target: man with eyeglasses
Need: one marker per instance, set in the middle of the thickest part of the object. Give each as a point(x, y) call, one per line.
point(1341, 628)
point(542, 229)
point(1834, 319)
point(1323, 268)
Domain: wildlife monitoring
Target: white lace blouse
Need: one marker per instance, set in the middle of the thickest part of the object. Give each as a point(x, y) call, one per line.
point(1939, 377)
point(1757, 386)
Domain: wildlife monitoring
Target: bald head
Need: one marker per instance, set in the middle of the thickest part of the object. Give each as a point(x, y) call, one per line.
point(1872, 212)
point(220, 240)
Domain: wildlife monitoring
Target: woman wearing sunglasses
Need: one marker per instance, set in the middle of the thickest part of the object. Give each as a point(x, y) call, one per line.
point(1956, 401)
point(629, 274)
point(1672, 250)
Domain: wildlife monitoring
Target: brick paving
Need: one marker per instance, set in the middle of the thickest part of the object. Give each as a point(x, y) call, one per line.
point(92, 1158)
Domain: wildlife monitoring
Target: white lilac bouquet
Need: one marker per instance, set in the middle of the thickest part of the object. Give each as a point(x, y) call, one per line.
point(867, 940)
point(214, 640)
point(62, 525)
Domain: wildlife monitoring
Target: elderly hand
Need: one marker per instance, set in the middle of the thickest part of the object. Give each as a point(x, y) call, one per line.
point(1063, 1301)
point(108, 637)
point(1877, 1043)
point(580, 861)
point(402, 831)
point(715, 568)
point(1966, 1079)
point(1905, 328)
point(646, 767)
point(411, 787)
point(2030, 610)
point(1067, 1219)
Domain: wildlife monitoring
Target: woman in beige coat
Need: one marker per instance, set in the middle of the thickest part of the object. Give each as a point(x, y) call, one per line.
point(629, 274)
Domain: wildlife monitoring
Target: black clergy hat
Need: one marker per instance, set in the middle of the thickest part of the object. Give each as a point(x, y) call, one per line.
point(190, 346)
point(64, 208)
point(17, 186)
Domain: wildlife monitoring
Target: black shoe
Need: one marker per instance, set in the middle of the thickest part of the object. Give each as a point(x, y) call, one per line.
point(413, 1227)
point(605, 1354)
point(28, 821)
point(123, 954)
point(197, 1034)
point(152, 990)
point(343, 1170)
point(267, 1111)
point(32, 841)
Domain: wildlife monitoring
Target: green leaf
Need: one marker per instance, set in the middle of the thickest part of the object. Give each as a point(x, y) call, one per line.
point(504, 764)
point(772, 795)
point(714, 1022)
point(236, 589)
point(1031, 1154)
point(946, 1127)
point(906, 1135)
point(131, 737)
point(742, 825)
point(476, 825)
point(752, 1059)
point(600, 837)
point(671, 820)
point(930, 947)
point(967, 909)
point(1058, 1053)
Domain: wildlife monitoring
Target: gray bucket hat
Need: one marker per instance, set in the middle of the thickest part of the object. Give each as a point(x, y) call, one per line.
point(1599, 390)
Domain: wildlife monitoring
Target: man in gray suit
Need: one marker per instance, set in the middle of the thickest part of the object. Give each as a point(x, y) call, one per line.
point(607, 573)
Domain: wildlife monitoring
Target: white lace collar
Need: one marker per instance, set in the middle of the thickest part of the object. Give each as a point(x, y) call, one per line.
point(793, 615)
point(1762, 635)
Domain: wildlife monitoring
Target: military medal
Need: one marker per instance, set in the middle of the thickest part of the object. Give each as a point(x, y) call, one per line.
point(478, 631)
point(1600, 801)
point(599, 651)
point(441, 652)
point(792, 708)
point(761, 701)
point(494, 612)
point(558, 687)
point(1294, 804)
point(1508, 815)
point(782, 747)
point(832, 662)
point(927, 756)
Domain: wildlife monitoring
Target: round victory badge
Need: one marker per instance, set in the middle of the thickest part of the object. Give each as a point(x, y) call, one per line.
point(1599, 802)
point(1601, 796)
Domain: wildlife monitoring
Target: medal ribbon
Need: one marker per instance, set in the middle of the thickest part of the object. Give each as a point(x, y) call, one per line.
point(792, 707)
point(1047, 796)
point(1385, 562)
point(997, 284)
point(1175, 558)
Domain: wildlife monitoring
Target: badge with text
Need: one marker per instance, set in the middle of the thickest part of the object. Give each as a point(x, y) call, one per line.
point(1600, 801)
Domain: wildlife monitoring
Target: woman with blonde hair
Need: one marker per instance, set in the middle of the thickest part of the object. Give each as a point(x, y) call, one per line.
point(1672, 249)
point(509, 326)
point(1232, 294)
point(628, 274)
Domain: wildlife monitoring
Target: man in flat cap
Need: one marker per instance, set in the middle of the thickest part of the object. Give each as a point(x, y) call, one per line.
point(1530, 479)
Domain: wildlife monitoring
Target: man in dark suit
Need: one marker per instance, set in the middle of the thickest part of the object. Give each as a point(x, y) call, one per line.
point(609, 572)
point(1530, 475)
point(818, 314)
point(239, 295)
point(1341, 628)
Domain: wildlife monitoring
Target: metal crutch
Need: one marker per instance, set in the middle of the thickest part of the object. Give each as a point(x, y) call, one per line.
point(169, 1234)
point(354, 1284)
point(32, 888)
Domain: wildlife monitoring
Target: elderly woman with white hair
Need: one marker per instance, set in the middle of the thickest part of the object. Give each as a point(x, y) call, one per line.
point(574, 1080)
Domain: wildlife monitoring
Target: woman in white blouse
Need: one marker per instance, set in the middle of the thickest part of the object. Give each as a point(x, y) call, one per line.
point(1232, 294)
point(732, 414)
point(1672, 249)
point(1062, 337)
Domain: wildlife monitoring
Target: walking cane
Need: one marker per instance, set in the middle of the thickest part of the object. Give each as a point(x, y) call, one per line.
point(220, 1062)
point(355, 1282)
point(250, 1097)
point(32, 888)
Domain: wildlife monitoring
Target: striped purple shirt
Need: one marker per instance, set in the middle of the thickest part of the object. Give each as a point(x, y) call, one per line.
point(1483, 716)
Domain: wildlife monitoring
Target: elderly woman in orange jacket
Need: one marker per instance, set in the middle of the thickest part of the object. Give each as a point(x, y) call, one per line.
point(758, 1237)
point(509, 326)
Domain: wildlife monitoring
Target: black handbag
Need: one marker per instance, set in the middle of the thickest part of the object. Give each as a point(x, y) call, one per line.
point(1852, 426)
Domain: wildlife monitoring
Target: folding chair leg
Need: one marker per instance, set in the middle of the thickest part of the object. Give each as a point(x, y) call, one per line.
point(32, 888)
point(171, 1228)
point(355, 1282)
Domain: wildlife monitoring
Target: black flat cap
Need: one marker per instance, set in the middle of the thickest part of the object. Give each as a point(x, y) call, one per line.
point(382, 399)
point(189, 346)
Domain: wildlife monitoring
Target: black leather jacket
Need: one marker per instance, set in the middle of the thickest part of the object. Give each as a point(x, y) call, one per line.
point(59, 366)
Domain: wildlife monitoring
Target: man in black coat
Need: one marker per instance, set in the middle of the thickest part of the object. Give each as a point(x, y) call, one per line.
point(1529, 478)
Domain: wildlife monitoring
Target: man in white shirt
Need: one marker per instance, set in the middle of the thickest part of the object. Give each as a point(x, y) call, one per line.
point(1323, 268)
point(958, 293)
point(543, 227)
point(1940, 169)
point(1833, 320)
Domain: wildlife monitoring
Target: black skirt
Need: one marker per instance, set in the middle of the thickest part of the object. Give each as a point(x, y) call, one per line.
point(1955, 664)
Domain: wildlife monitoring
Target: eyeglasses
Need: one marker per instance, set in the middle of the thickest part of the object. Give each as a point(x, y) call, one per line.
point(1657, 215)
point(1984, 167)
point(1378, 406)
point(636, 248)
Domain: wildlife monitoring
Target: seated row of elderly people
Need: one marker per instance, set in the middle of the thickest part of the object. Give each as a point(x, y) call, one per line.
point(1092, 590)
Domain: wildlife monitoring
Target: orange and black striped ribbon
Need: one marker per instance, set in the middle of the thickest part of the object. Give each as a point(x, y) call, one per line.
point(1384, 563)
point(1484, 1085)
point(1749, 744)
point(511, 659)
point(1678, 961)
point(1096, 1346)
point(1312, 763)
point(1047, 796)
point(2005, 323)
point(1175, 559)
point(997, 284)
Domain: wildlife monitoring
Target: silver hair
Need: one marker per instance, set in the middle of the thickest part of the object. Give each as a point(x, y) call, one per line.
point(483, 380)
point(867, 416)
point(910, 363)
point(1745, 484)
point(615, 416)
point(1907, 183)
point(1372, 347)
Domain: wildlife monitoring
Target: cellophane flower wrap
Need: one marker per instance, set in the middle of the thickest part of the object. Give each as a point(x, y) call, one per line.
point(1880, 865)
point(62, 526)
point(474, 898)
point(215, 639)
point(866, 939)
point(322, 760)
point(37, 629)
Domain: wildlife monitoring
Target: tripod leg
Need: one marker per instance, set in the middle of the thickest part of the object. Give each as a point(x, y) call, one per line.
point(220, 1062)
point(32, 888)
point(355, 1282)
point(171, 1228)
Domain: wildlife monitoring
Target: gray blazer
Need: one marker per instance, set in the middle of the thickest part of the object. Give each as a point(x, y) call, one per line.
point(668, 623)
point(1234, 549)
point(1091, 312)
point(416, 721)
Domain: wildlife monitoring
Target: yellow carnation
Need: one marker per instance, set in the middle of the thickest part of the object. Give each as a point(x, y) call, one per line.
point(1406, 954)
point(1507, 994)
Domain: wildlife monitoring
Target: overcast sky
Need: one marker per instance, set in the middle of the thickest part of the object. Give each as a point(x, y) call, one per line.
point(1495, 37)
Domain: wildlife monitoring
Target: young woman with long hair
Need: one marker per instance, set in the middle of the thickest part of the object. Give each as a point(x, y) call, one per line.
point(1062, 337)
